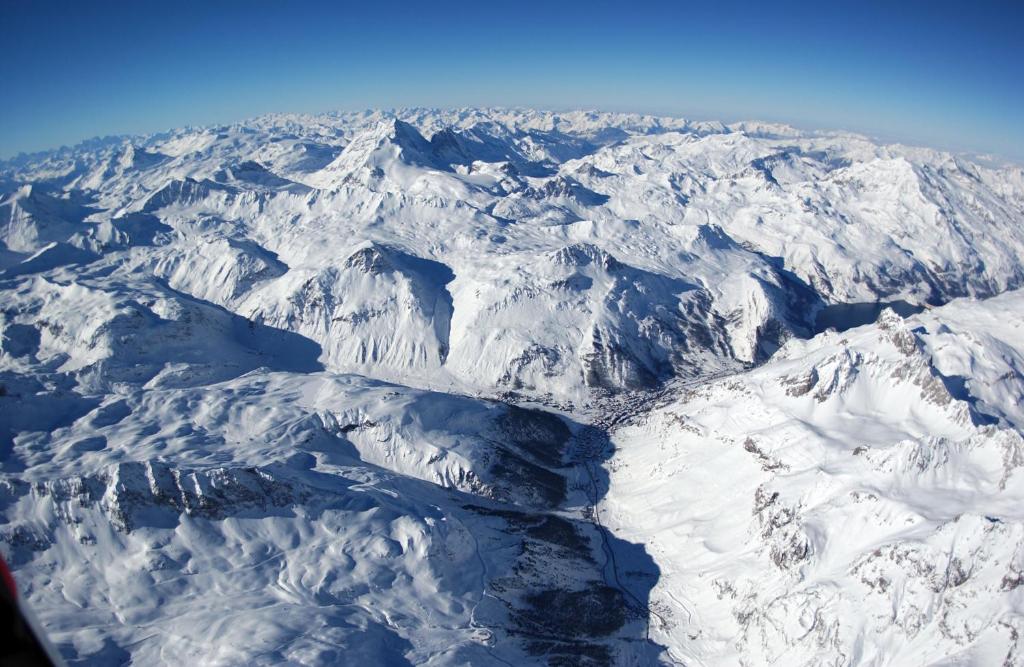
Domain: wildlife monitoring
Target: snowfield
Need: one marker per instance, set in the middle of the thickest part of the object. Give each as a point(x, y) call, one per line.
point(850, 502)
point(514, 387)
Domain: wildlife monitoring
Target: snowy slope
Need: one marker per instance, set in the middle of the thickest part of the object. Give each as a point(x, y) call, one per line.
point(746, 230)
point(850, 502)
point(483, 386)
point(281, 517)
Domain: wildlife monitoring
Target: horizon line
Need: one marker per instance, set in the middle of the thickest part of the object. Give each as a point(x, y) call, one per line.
point(875, 137)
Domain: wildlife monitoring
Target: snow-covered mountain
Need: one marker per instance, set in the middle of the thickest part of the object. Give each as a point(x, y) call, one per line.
point(513, 387)
point(857, 500)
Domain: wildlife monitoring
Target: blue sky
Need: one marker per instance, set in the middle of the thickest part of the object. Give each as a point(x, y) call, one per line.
point(949, 75)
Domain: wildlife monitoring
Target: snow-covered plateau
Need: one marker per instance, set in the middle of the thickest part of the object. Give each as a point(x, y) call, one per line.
point(513, 387)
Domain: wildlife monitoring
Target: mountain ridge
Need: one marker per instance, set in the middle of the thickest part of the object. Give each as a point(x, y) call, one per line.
point(407, 385)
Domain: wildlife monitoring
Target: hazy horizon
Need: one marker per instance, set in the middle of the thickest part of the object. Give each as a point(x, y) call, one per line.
point(696, 117)
point(933, 74)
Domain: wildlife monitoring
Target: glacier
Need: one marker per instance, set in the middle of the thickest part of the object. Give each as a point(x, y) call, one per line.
point(506, 386)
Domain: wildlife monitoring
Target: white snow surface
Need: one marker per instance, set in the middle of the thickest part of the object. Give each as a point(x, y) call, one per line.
point(856, 500)
point(491, 386)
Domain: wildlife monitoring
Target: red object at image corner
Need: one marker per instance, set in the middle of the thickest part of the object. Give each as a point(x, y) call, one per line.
point(21, 643)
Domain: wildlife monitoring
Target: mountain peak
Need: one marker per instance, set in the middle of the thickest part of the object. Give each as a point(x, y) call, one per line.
point(386, 147)
point(412, 145)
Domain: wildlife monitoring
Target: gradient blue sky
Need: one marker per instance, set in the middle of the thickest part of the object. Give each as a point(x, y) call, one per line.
point(949, 75)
